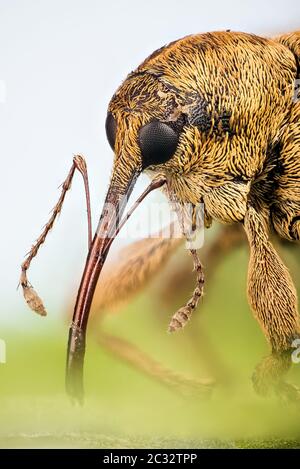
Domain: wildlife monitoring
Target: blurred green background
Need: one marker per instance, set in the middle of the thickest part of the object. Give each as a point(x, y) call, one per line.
point(126, 408)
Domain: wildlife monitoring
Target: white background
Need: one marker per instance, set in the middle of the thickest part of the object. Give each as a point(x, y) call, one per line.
point(60, 62)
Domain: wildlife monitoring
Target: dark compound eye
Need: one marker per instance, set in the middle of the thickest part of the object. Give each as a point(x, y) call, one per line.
point(111, 129)
point(158, 142)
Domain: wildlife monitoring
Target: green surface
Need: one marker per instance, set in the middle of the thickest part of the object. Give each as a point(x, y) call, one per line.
point(125, 408)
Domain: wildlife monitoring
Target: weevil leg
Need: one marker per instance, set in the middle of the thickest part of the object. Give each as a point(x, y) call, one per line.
point(215, 249)
point(142, 362)
point(31, 297)
point(213, 252)
point(273, 298)
point(285, 217)
point(183, 315)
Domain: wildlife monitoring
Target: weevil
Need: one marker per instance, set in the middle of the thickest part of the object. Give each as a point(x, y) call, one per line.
point(211, 118)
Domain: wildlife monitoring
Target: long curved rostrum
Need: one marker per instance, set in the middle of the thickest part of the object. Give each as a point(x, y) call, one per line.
point(108, 228)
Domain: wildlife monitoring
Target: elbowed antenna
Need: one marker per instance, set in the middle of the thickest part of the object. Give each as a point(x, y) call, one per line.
point(108, 228)
point(32, 298)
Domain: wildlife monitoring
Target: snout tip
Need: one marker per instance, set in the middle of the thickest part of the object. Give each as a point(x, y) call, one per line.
point(74, 368)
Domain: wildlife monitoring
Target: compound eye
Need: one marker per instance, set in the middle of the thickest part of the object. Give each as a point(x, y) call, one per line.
point(158, 142)
point(111, 130)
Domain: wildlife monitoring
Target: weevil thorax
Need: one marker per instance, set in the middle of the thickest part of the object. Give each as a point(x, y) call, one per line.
point(225, 96)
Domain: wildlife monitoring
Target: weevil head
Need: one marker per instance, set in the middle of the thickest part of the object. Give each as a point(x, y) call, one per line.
point(148, 129)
